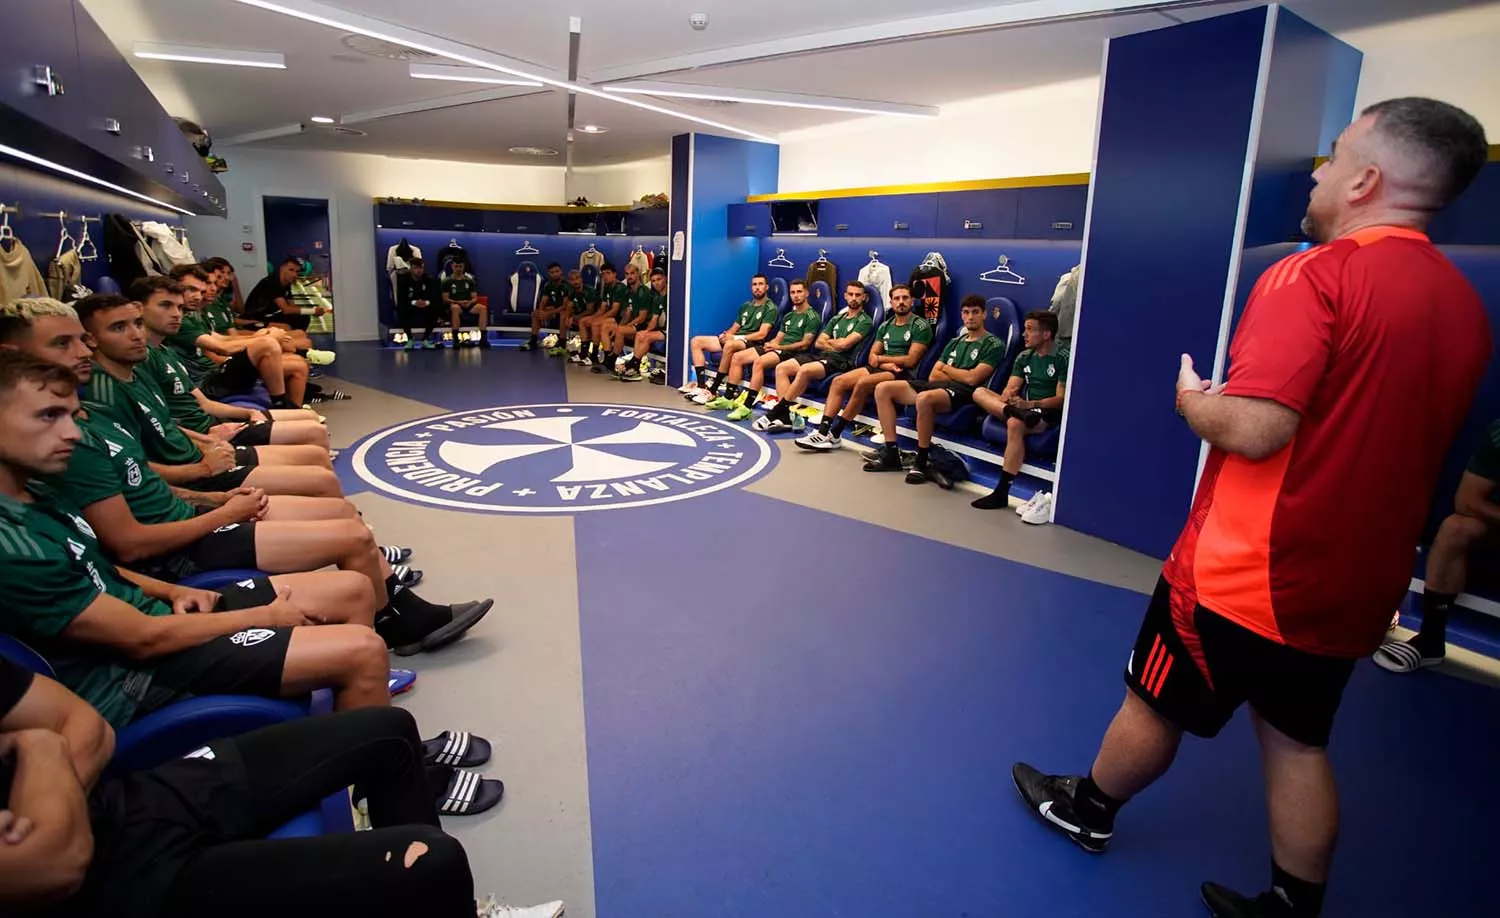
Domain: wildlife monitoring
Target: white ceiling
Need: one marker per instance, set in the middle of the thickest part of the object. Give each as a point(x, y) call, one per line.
point(651, 39)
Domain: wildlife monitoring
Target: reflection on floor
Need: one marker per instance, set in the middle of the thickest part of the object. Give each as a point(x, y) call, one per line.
point(803, 698)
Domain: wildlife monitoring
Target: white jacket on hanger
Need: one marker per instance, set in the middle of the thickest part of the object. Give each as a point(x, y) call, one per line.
point(1065, 302)
point(877, 276)
point(395, 265)
point(166, 246)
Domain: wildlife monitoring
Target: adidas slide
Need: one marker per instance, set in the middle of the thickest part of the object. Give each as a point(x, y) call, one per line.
point(465, 616)
point(459, 748)
point(395, 554)
point(1403, 657)
point(468, 794)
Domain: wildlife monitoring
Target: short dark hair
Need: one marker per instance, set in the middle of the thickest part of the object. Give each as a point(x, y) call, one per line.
point(96, 303)
point(289, 260)
point(18, 366)
point(1448, 141)
point(608, 267)
point(796, 282)
point(658, 272)
point(553, 264)
point(142, 287)
point(180, 271)
point(761, 276)
point(215, 263)
point(855, 283)
point(972, 301)
point(896, 287)
point(1045, 321)
point(417, 260)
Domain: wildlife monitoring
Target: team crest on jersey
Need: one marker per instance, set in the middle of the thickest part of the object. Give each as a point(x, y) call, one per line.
point(132, 472)
point(1051, 370)
point(251, 636)
point(560, 458)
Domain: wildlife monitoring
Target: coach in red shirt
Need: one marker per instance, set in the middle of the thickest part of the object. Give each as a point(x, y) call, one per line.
point(1350, 374)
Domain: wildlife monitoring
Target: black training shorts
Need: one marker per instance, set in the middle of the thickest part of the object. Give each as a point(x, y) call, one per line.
point(1195, 668)
point(248, 662)
point(235, 376)
point(224, 481)
point(231, 546)
point(252, 435)
point(959, 394)
point(246, 594)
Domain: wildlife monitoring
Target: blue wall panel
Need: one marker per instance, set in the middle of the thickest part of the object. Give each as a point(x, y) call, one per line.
point(1171, 158)
point(677, 271)
point(494, 258)
point(41, 191)
point(724, 172)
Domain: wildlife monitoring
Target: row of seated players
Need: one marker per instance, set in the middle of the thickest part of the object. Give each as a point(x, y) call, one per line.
point(93, 544)
point(803, 353)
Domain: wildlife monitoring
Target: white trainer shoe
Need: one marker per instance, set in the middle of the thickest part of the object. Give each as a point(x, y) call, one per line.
point(817, 441)
point(703, 398)
point(1040, 512)
point(1022, 508)
point(489, 908)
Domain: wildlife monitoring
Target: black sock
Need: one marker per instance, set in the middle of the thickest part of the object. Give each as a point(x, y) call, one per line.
point(824, 426)
point(751, 395)
point(892, 452)
point(838, 426)
point(1435, 608)
point(922, 452)
point(715, 382)
point(1306, 899)
point(731, 391)
point(782, 411)
point(700, 374)
point(302, 352)
point(1094, 807)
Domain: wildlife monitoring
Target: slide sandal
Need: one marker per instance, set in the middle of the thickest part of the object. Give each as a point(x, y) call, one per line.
point(400, 681)
point(395, 554)
point(469, 794)
point(459, 748)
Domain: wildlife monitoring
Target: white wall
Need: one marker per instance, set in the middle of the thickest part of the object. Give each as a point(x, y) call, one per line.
point(350, 181)
point(623, 183)
point(1042, 130)
point(1050, 129)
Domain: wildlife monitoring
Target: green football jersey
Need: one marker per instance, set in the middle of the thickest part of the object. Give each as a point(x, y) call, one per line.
point(220, 313)
point(139, 405)
point(460, 288)
point(752, 316)
point(555, 293)
point(844, 325)
point(110, 460)
point(52, 569)
point(656, 308)
point(963, 354)
point(896, 340)
point(634, 302)
point(798, 325)
point(612, 294)
point(1041, 373)
point(185, 344)
point(171, 376)
point(584, 300)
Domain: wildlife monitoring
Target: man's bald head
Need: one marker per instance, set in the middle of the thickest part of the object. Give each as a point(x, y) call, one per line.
point(1400, 162)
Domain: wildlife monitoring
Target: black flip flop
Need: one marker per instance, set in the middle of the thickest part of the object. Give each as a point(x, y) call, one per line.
point(469, 794)
point(458, 748)
point(465, 616)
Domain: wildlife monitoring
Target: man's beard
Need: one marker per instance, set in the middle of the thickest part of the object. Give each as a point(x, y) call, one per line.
point(1310, 228)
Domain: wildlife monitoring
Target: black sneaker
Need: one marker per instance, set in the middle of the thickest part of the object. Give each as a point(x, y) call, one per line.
point(1226, 903)
point(484, 342)
point(527, 345)
point(919, 474)
point(889, 461)
point(1051, 797)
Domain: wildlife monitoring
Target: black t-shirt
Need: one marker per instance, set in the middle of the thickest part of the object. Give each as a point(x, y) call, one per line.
point(261, 306)
point(15, 681)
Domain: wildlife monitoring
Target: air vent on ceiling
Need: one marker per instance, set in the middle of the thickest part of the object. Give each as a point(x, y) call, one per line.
point(387, 50)
point(347, 59)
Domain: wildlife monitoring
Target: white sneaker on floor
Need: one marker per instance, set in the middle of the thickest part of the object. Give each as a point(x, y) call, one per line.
point(818, 441)
point(1039, 512)
point(489, 908)
point(691, 385)
point(702, 398)
point(1022, 508)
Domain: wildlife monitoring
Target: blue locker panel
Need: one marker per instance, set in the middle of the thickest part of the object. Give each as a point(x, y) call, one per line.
point(896, 215)
point(399, 216)
point(1052, 213)
point(1471, 219)
point(750, 220)
point(532, 222)
point(646, 222)
point(40, 33)
point(453, 219)
point(978, 214)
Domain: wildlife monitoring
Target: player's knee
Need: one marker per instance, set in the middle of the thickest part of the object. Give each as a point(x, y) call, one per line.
point(1015, 427)
point(365, 652)
point(438, 856)
point(1459, 532)
point(355, 595)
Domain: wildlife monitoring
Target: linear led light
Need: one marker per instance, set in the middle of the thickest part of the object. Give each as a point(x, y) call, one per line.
point(285, 130)
point(465, 75)
point(84, 176)
point(156, 51)
point(304, 10)
point(781, 99)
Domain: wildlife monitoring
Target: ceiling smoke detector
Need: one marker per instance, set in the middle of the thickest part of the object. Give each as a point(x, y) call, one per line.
point(533, 151)
point(386, 50)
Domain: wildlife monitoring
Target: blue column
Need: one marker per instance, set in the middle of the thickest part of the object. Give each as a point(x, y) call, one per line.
point(1203, 129)
point(708, 174)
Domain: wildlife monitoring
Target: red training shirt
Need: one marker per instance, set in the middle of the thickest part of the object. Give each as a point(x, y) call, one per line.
point(1379, 343)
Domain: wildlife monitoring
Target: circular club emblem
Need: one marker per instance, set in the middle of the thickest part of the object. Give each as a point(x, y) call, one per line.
point(560, 458)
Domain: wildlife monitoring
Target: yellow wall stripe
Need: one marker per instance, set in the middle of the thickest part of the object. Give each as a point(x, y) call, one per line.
point(1025, 181)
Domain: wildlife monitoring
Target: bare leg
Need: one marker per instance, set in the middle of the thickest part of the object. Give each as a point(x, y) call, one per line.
point(306, 481)
point(284, 507)
point(1303, 801)
point(1448, 560)
point(1138, 748)
point(302, 456)
point(265, 353)
point(887, 396)
point(301, 433)
point(289, 547)
point(334, 597)
point(296, 378)
point(1015, 445)
point(483, 312)
point(929, 403)
point(806, 374)
point(350, 659)
point(863, 389)
point(292, 414)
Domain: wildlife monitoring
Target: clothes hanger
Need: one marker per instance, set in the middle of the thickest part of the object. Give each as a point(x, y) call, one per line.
point(528, 249)
point(85, 247)
point(6, 233)
point(822, 256)
point(780, 260)
point(64, 237)
point(1002, 273)
point(874, 257)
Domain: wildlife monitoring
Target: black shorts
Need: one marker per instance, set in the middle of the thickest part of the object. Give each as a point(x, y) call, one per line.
point(225, 481)
point(251, 435)
point(1035, 419)
point(1195, 668)
point(760, 350)
point(958, 394)
point(248, 662)
point(246, 594)
point(298, 321)
point(834, 364)
point(231, 546)
point(235, 376)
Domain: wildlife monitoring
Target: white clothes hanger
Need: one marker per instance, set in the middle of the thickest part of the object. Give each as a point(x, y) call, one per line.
point(85, 247)
point(64, 238)
point(874, 257)
point(780, 260)
point(1002, 273)
point(6, 233)
point(528, 249)
point(822, 256)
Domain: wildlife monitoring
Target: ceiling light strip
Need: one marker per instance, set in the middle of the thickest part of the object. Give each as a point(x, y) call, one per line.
point(84, 176)
point(781, 99)
point(340, 19)
point(464, 75)
point(191, 54)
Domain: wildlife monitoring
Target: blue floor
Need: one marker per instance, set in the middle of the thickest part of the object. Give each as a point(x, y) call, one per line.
point(797, 714)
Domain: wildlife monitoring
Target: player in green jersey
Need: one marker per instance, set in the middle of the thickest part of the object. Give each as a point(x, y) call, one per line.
point(635, 307)
point(653, 331)
point(1031, 402)
point(591, 327)
point(834, 355)
point(552, 303)
point(753, 323)
point(794, 337)
point(461, 293)
point(967, 362)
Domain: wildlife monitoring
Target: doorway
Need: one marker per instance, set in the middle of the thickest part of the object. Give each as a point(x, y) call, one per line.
point(299, 228)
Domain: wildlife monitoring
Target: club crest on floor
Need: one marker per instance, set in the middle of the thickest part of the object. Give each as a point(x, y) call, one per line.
point(561, 458)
